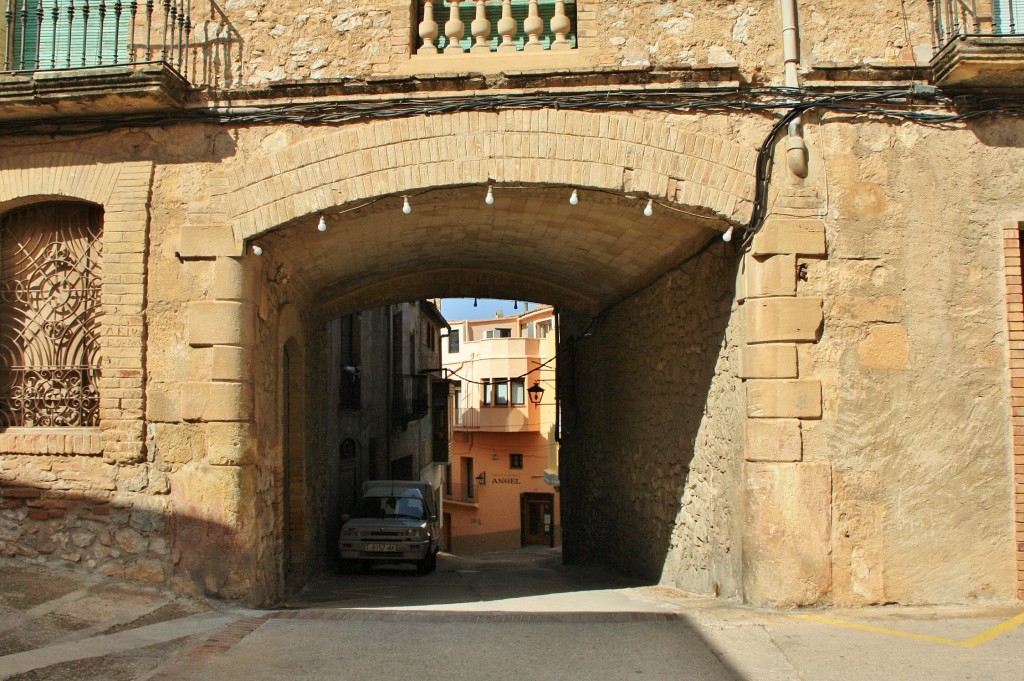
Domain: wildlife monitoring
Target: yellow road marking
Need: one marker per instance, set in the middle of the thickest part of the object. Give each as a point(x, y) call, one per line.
point(973, 642)
point(999, 630)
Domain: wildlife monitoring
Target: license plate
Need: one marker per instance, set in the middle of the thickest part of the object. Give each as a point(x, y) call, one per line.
point(381, 548)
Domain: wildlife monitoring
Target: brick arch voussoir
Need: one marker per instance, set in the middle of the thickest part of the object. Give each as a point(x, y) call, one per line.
point(59, 175)
point(601, 151)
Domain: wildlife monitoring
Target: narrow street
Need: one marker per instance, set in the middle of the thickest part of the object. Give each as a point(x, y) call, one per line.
point(517, 614)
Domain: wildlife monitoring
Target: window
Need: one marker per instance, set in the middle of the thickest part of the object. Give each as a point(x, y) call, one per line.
point(428, 333)
point(56, 34)
point(488, 395)
point(515, 461)
point(518, 390)
point(453, 341)
point(498, 333)
point(350, 398)
point(543, 329)
point(49, 315)
point(1007, 16)
point(500, 392)
point(458, 403)
point(467, 476)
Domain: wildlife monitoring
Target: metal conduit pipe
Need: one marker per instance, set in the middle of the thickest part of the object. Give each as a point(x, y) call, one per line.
point(796, 148)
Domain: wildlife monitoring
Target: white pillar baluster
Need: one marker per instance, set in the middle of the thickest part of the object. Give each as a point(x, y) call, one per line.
point(454, 30)
point(533, 26)
point(560, 26)
point(481, 28)
point(428, 29)
point(507, 28)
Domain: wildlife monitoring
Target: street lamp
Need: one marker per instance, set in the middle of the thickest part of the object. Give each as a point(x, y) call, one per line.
point(536, 393)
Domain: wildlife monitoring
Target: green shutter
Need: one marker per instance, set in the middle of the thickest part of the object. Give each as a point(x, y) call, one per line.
point(520, 10)
point(1001, 13)
point(69, 41)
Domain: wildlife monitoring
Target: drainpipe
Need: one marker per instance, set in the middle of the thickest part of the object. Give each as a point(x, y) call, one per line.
point(796, 148)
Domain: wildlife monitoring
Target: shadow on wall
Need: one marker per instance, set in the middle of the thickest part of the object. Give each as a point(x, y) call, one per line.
point(996, 132)
point(122, 535)
point(653, 428)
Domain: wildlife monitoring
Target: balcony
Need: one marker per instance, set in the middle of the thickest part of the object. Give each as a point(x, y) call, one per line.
point(979, 43)
point(513, 419)
point(99, 57)
point(489, 36)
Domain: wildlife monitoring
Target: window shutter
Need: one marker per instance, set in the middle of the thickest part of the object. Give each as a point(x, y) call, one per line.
point(72, 34)
point(1002, 17)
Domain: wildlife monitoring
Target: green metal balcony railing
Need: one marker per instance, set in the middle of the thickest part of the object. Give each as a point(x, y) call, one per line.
point(48, 35)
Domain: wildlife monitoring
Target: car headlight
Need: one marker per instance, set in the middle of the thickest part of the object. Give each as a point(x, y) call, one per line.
point(416, 534)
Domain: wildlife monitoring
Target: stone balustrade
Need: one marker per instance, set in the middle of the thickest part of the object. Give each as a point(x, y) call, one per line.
point(501, 26)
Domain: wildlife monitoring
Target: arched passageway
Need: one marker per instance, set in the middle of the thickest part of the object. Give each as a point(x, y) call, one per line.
point(647, 302)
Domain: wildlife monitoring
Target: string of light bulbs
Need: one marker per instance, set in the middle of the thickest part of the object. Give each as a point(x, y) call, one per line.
point(489, 199)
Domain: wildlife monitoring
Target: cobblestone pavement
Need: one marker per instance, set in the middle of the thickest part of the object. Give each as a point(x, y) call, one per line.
point(518, 614)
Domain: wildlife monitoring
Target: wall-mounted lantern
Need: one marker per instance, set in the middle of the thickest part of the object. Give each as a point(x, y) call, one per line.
point(536, 393)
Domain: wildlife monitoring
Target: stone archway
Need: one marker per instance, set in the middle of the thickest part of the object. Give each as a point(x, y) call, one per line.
point(531, 245)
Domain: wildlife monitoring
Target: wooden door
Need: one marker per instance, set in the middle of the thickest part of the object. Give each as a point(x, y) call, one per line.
point(537, 520)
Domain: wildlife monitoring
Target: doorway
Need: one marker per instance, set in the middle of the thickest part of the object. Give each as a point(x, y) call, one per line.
point(537, 520)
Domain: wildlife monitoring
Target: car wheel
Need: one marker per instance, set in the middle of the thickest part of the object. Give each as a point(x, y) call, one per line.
point(428, 564)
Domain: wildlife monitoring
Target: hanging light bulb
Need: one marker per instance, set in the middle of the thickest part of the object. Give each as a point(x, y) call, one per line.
point(649, 208)
point(258, 250)
point(474, 302)
point(727, 237)
point(515, 304)
point(575, 198)
point(406, 207)
point(322, 225)
point(489, 199)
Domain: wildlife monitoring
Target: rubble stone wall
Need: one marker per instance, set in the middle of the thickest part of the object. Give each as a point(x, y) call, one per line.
point(287, 41)
point(85, 512)
point(652, 453)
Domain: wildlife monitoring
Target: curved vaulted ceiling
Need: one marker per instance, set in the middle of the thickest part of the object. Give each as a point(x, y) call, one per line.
point(531, 244)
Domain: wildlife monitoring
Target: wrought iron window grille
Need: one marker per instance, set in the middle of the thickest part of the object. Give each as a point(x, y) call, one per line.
point(50, 274)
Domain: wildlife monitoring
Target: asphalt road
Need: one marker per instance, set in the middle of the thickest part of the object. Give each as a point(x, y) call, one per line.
point(515, 615)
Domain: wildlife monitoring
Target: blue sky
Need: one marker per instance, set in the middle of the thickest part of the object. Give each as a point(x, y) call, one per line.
point(455, 309)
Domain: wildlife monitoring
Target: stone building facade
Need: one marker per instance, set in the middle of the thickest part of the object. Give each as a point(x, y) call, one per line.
point(825, 409)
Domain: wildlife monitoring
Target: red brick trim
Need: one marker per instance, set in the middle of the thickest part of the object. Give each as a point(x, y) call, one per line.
point(1015, 323)
point(217, 643)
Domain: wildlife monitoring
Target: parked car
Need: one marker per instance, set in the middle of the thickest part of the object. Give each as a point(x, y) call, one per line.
point(395, 521)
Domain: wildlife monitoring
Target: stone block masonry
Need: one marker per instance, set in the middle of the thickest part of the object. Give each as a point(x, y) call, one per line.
point(787, 498)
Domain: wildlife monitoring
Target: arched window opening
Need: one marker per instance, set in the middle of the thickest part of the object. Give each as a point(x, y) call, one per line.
point(50, 275)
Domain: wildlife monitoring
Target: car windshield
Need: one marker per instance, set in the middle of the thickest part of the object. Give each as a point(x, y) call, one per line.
point(390, 507)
